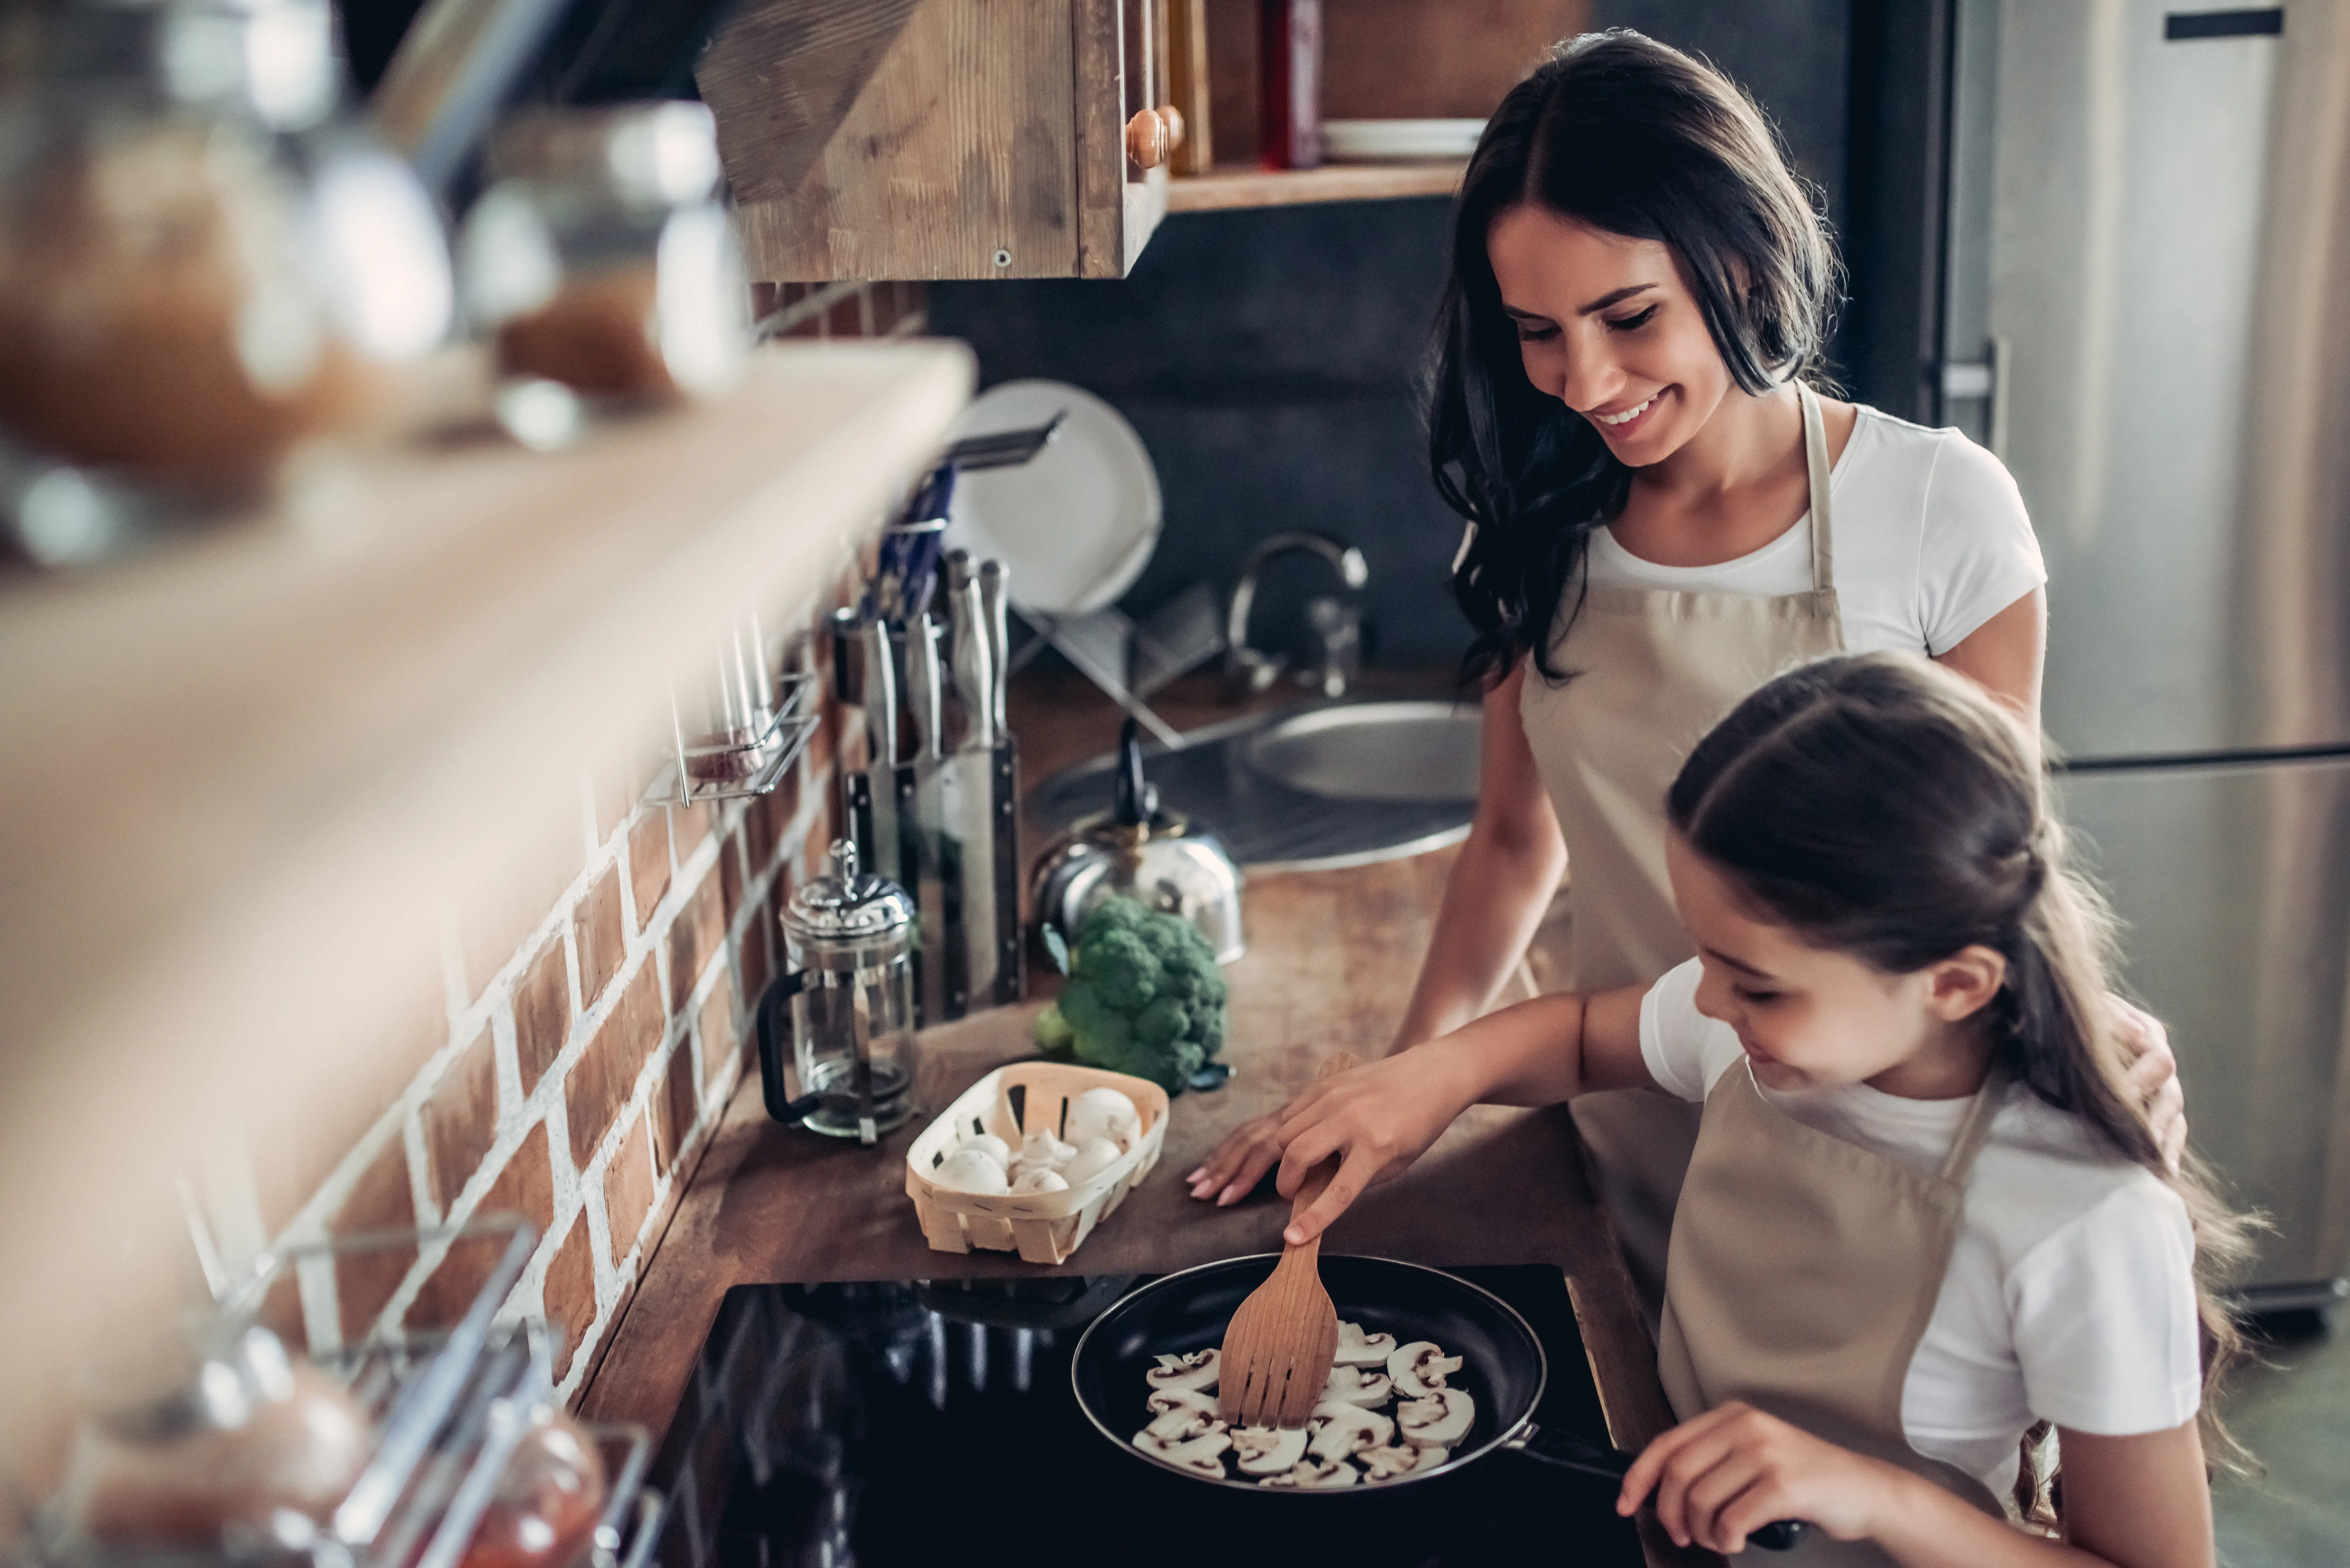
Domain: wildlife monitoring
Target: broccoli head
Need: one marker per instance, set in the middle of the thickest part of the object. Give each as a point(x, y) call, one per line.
point(1144, 996)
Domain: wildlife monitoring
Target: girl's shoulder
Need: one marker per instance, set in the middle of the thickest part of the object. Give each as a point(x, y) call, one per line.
point(2045, 1179)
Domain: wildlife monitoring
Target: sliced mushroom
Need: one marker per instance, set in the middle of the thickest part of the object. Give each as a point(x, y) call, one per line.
point(1353, 1386)
point(1268, 1451)
point(1204, 1453)
point(1172, 1398)
point(1181, 1423)
point(1388, 1463)
point(1420, 1369)
point(1340, 1430)
point(1440, 1420)
point(1196, 1371)
point(1356, 1348)
point(1313, 1473)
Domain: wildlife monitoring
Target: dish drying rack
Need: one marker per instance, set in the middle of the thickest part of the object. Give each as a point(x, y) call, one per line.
point(448, 1407)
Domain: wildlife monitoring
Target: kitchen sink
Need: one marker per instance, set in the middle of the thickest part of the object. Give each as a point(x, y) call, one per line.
point(1348, 784)
point(1416, 752)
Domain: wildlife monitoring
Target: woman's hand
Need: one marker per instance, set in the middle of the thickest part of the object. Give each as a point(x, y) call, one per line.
point(1734, 1470)
point(1376, 1120)
point(2154, 1071)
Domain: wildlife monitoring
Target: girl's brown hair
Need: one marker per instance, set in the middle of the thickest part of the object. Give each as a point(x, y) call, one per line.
point(1881, 806)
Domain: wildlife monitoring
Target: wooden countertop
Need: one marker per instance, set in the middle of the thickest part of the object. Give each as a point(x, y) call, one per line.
point(1332, 958)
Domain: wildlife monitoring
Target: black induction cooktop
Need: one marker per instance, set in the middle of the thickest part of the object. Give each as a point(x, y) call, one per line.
point(933, 1422)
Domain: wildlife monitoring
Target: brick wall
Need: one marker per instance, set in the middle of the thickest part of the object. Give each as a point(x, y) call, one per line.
point(584, 1032)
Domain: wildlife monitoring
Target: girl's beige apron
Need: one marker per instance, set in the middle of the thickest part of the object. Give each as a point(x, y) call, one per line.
point(1653, 669)
point(1803, 1272)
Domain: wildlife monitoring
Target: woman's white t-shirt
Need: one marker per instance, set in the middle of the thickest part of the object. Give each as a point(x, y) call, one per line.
point(2070, 1295)
point(1930, 541)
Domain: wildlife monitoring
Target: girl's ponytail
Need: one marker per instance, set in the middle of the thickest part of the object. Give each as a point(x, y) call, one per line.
point(1880, 805)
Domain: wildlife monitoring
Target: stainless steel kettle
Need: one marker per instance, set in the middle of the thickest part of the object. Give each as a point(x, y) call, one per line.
point(1160, 858)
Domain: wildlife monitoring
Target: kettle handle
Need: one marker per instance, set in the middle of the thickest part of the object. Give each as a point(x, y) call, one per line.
point(1133, 802)
point(773, 1042)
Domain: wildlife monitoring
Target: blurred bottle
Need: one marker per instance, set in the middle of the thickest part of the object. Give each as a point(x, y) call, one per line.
point(1289, 96)
point(600, 258)
point(201, 262)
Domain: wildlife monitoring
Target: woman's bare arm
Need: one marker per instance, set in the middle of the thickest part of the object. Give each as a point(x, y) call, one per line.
point(1501, 885)
point(2004, 656)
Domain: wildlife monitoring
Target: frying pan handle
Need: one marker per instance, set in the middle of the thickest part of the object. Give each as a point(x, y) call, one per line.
point(1569, 1452)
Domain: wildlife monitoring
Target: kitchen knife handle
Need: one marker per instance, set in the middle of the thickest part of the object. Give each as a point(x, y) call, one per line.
point(879, 681)
point(922, 686)
point(974, 668)
point(992, 581)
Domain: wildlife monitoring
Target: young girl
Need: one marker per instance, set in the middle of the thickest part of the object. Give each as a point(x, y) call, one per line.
point(1926, 1212)
point(1659, 505)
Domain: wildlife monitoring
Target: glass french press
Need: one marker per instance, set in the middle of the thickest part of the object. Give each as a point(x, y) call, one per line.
point(848, 939)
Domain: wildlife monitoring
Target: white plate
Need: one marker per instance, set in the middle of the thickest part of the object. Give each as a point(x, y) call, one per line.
point(1075, 524)
point(1379, 141)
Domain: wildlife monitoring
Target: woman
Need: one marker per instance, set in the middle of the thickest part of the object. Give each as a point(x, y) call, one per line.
point(1662, 515)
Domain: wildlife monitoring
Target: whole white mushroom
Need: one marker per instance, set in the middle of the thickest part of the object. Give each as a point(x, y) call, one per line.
point(1040, 1151)
point(1091, 1160)
point(1102, 1113)
point(1040, 1178)
point(971, 1170)
point(994, 1147)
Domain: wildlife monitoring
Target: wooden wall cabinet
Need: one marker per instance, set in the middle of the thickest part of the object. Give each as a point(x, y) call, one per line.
point(941, 139)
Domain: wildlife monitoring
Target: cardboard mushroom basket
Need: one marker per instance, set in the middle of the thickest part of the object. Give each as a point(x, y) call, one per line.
point(1029, 1107)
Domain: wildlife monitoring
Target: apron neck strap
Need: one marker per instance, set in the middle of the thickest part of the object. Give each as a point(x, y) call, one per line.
point(1975, 1130)
point(1816, 460)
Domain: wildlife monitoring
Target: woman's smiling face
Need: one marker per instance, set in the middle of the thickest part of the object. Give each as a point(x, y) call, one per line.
point(1608, 326)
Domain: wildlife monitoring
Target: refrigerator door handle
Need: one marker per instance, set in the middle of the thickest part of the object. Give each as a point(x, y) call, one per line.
point(1986, 379)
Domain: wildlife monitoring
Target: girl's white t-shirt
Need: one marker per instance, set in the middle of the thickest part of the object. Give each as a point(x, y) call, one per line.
point(1931, 540)
point(2070, 1295)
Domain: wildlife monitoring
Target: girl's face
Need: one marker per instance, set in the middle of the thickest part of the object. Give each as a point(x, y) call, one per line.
point(1607, 326)
point(1809, 1017)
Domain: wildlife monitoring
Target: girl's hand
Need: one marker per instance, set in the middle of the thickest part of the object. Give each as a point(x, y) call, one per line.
point(2154, 1072)
point(1376, 1120)
point(1240, 1161)
point(1734, 1470)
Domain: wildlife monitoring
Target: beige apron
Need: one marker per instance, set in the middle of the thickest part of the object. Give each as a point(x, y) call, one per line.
point(1803, 1272)
point(1653, 669)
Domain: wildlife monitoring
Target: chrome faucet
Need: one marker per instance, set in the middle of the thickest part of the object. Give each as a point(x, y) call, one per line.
point(1336, 628)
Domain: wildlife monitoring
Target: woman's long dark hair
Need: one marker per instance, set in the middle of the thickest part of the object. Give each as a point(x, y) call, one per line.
point(1880, 805)
point(1620, 132)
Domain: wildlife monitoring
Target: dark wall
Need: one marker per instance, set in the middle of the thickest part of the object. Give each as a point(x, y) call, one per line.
point(1268, 358)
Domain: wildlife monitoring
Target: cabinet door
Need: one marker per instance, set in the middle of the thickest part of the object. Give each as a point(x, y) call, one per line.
point(1120, 64)
point(918, 138)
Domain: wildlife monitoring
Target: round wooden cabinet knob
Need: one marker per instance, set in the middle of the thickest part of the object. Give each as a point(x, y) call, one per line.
point(1174, 119)
point(1147, 141)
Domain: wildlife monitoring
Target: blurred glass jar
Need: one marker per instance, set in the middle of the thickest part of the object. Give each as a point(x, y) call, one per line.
point(600, 258)
point(226, 1444)
point(200, 262)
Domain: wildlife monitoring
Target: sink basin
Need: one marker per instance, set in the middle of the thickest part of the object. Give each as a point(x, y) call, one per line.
point(1374, 750)
point(1343, 784)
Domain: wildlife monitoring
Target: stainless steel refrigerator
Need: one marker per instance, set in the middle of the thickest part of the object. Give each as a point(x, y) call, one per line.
point(2146, 311)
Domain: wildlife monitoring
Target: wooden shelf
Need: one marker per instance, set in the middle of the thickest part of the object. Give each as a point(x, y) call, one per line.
point(249, 779)
point(1252, 187)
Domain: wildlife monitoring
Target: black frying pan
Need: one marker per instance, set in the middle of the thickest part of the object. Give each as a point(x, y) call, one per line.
point(1502, 1366)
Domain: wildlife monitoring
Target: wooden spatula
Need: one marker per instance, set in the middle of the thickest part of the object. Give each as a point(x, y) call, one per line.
point(1279, 1344)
